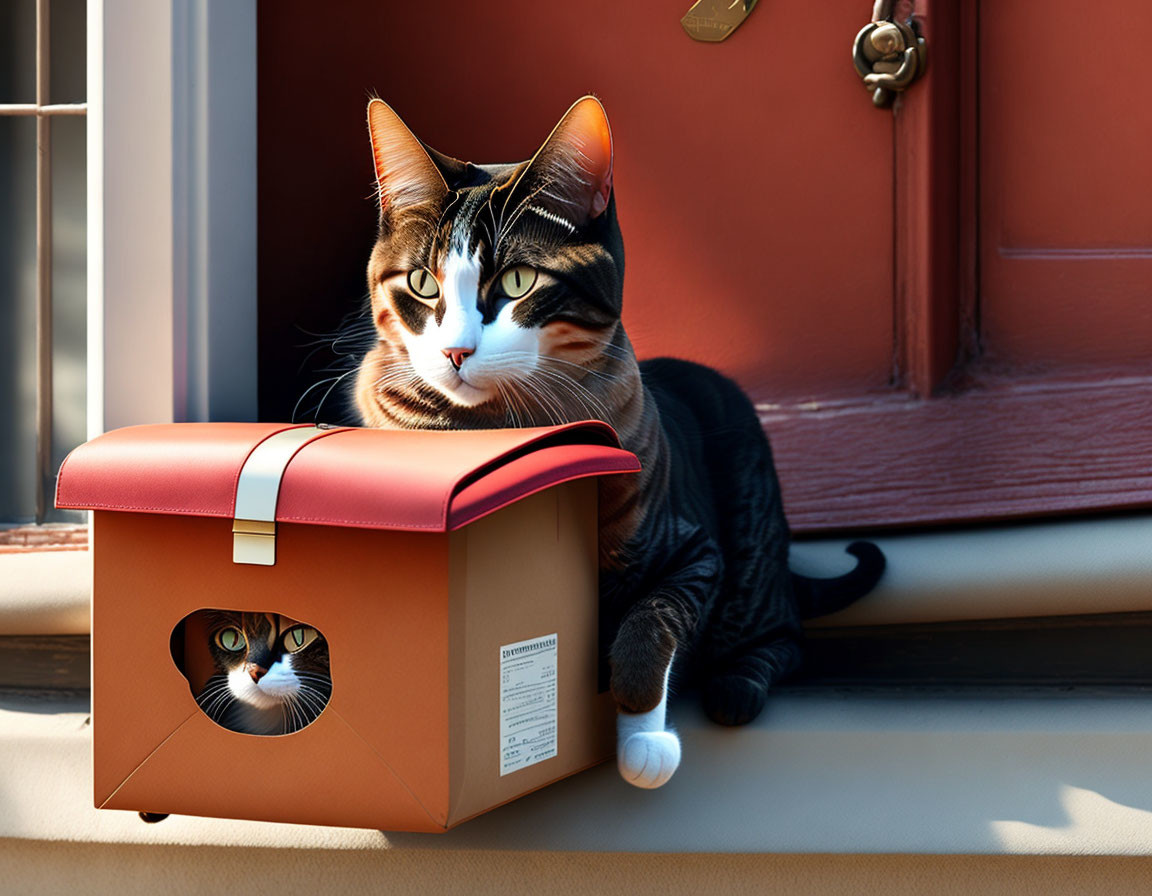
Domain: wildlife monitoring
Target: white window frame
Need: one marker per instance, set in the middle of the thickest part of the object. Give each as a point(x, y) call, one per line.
point(171, 211)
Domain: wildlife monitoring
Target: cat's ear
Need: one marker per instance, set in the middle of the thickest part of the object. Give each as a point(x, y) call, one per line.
point(571, 174)
point(405, 173)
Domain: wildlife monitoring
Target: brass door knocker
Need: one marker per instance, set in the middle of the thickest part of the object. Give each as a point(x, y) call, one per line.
point(888, 55)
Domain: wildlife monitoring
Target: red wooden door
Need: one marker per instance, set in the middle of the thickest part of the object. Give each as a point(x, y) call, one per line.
point(931, 306)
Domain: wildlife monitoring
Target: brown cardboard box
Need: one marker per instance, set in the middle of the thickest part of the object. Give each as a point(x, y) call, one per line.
point(425, 559)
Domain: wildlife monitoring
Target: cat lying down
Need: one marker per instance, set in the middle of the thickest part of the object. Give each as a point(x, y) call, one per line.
point(496, 293)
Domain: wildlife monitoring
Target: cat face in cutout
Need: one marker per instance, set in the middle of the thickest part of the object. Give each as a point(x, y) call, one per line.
point(272, 673)
point(495, 289)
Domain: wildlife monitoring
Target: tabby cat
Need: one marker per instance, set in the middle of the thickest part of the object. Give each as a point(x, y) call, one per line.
point(496, 294)
point(272, 674)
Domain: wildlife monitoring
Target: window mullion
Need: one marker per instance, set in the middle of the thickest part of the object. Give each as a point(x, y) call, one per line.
point(43, 264)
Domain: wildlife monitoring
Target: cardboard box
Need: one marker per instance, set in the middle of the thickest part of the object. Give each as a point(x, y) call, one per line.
point(425, 560)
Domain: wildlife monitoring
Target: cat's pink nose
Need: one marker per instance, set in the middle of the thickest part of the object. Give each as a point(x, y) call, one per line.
point(257, 672)
point(457, 355)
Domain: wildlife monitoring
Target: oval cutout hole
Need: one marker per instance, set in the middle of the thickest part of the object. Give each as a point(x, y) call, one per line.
point(255, 673)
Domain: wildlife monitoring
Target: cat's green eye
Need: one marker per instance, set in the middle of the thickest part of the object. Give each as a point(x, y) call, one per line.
point(231, 639)
point(298, 637)
point(423, 284)
point(515, 282)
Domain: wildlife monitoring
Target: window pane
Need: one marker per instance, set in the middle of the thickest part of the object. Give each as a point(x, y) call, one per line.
point(69, 296)
point(69, 52)
point(18, 51)
point(17, 319)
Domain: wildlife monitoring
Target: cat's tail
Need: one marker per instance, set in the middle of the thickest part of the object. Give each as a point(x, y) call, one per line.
point(819, 597)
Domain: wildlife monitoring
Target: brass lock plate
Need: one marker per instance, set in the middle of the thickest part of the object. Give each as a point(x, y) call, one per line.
point(715, 20)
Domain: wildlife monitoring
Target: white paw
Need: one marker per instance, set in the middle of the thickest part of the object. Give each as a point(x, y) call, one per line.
point(648, 759)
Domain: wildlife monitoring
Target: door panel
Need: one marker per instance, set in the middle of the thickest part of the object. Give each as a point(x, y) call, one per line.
point(1066, 196)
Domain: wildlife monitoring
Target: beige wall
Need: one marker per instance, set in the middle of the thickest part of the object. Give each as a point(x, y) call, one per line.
point(35, 867)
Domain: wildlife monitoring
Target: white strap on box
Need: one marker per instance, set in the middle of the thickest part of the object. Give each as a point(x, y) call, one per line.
point(257, 490)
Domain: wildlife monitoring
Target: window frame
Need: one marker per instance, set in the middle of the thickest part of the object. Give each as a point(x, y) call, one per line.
point(43, 109)
point(171, 211)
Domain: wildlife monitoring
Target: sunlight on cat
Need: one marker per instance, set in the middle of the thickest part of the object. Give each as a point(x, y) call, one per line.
point(646, 754)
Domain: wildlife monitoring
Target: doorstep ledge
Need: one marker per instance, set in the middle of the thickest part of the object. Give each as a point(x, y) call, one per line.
point(839, 773)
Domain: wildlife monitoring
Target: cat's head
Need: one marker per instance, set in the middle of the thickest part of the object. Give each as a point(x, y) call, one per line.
point(272, 672)
point(493, 287)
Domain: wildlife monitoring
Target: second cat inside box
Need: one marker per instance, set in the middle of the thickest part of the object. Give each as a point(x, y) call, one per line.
point(426, 602)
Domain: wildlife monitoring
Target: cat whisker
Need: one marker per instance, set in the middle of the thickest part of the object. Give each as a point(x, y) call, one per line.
point(212, 689)
point(603, 346)
point(611, 350)
point(339, 379)
point(549, 400)
point(393, 366)
point(403, 376)
point(313, 700)
point(607, 377)
point(589, 408)
point(305, 713)
point(214, 684)
point(311, 694)
point(307, 707)
point(524, 415)
point(217, 706)
point(288, 708)
point(582, 396)
point(209, 705)
point(509, 417)
point(307, 392)
point(356, 329)
point(517, 396)
point(210, 701)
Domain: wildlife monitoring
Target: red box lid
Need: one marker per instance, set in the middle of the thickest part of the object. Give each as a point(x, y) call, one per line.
point(366, 478)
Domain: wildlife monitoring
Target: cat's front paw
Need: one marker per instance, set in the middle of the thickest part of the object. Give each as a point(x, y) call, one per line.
point(641, 657)
point(734, 699)
point(648, 758)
